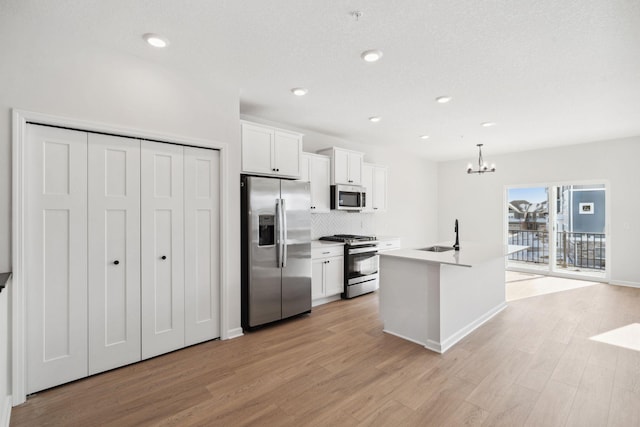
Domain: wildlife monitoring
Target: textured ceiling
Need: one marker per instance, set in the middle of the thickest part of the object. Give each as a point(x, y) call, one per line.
point(548, 72)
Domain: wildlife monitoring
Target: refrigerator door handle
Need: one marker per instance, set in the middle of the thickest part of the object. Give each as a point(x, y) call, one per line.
point(279, 232)
point(285, 235)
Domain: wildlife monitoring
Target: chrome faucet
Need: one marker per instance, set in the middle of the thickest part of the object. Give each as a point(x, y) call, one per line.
point(456, 245)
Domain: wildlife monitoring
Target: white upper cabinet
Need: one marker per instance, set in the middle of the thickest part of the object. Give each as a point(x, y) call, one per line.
point(257, 149)
point(270, 151)
point(288, 147)
point(374, 179)
point(316, 170)
point(346, 166)
point(305, 158)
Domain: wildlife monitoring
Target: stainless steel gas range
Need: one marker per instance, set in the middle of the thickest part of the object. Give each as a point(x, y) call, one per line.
point(361, 263)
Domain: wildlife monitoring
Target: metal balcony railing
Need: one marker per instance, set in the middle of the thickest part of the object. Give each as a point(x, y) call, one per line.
point(538, 242)
point(582, 250)
point(573, 250)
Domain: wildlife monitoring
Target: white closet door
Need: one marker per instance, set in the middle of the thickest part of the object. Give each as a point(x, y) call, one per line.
point(114, 252)
point(56, 256)
point(202, 240)
point(162, 252)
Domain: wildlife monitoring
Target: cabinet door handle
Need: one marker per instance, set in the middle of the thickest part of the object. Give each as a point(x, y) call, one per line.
point(375, 208)
point(116, 262)
point(163, 257)
point(325, 253)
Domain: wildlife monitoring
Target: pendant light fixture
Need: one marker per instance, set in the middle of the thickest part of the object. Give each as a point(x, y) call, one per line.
point(482, 166)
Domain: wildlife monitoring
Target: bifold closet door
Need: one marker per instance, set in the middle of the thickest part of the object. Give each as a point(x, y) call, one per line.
point(202, 243)
point(114, 252)
point(162, 247)
point(55, 255)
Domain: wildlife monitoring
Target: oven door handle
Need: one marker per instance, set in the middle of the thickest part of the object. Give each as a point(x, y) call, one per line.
point(354, 251)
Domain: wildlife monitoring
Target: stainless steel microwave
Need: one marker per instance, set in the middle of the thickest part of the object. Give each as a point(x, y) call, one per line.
point(348, 197)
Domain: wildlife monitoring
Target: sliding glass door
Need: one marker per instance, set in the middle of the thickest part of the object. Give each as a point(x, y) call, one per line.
point(528, 225)
point(564, 227)
point(581, 223)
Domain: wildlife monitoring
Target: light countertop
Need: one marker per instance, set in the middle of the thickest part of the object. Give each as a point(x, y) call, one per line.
point(470, 253)
point(385, 238)
point(315, 244)
point(326, 243)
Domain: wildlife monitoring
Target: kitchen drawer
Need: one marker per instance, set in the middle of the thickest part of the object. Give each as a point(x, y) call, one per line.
point(331, 251)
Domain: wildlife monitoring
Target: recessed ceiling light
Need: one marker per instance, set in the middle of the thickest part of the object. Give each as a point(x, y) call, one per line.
point(424, 136)
point(488, 124)
point(371, 55)
point(155, 40)
point(299, 91)
point(443, 99)
point(375, 119)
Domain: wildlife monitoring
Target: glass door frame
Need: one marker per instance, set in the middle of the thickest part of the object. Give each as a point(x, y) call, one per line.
point(552, 269)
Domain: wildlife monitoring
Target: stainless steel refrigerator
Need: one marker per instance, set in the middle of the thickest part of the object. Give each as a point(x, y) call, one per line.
point(276, 249)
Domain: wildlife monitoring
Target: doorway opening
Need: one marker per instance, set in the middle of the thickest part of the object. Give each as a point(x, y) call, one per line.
point(564, 227)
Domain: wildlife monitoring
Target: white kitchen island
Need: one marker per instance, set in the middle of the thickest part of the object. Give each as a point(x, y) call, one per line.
point(437, 298)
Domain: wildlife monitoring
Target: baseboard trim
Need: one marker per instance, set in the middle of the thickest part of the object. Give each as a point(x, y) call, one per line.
point(234, 333)
point(433, 346)
point(453, 339)
point(441, 347)
point(404, 338)
point(5, 412)
point(625, 283)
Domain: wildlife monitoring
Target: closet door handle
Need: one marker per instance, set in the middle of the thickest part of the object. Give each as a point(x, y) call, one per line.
point(116, 262)
point(163, 257)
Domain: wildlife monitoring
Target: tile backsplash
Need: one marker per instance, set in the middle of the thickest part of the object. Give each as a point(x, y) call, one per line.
point(336, 222)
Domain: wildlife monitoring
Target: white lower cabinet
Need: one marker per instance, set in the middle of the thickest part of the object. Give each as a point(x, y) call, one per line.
point(317, 278)
point(121, 248)
point(327, 273)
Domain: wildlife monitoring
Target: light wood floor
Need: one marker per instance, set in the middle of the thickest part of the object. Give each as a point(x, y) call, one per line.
point(533, 364)
point(524, 285)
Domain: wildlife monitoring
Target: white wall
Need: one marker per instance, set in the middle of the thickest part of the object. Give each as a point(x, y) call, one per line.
point(67, 78)
point(477, 201)
point(412, 187)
